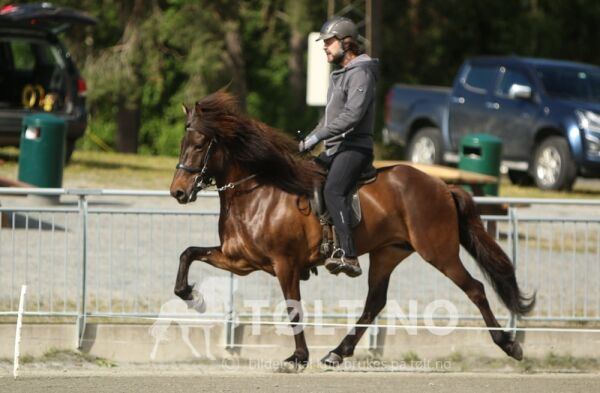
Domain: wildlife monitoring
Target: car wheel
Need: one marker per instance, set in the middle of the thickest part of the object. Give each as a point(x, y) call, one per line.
point(520, 178)
point(553, 166)
point(426, 147)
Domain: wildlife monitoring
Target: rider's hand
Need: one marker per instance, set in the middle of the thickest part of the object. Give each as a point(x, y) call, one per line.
point(307, 144)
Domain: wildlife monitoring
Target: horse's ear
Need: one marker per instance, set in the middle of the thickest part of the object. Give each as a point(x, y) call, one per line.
point(225, 88)
point(185, 109)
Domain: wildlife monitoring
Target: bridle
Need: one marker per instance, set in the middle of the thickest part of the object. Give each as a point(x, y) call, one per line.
point(199, 181)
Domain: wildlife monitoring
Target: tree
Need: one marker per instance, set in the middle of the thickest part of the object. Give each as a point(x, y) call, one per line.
point(145, 58)
point(116, 73)
point(299, 26)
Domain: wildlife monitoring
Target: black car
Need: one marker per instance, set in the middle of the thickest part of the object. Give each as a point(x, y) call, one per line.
point(37, 73)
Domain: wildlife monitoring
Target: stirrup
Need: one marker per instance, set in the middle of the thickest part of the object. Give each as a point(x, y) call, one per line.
point(337, 265)
point(335, 251)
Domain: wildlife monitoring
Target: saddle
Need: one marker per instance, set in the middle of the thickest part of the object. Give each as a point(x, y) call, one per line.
point(317, 203)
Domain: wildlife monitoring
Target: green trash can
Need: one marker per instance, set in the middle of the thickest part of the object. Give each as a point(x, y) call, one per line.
point(42, 150)
point(481, 153)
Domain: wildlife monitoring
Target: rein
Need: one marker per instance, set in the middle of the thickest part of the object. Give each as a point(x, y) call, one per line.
point(235, 184)
point(199, 183)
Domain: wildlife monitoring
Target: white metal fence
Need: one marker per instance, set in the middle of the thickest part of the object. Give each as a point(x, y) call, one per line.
point(112, 253)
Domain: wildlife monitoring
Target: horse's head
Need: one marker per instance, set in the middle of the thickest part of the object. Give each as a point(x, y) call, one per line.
point(195, 170)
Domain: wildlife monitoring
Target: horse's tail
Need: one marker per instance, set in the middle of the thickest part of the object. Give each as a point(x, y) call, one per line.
point(494, 263)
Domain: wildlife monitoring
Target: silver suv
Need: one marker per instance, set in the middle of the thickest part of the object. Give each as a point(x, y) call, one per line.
point(37, 73)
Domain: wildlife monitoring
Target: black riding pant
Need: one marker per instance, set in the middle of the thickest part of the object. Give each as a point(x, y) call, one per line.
point(344, 171)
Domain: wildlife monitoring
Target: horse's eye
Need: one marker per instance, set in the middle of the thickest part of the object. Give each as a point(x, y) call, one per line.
point(198, 147)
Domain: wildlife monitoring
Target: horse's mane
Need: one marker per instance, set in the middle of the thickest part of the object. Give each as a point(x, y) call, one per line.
point(262, 150)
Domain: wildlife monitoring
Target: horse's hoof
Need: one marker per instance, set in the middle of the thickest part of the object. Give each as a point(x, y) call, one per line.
point(184, 293)
point(196, 302)
point(332, 359)
point(514, 350)
point(293, 364)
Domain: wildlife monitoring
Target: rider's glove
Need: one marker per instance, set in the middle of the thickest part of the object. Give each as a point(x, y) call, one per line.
point(308, 143)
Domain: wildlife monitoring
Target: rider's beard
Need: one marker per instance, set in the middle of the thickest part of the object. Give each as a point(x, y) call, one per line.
point(336, 58)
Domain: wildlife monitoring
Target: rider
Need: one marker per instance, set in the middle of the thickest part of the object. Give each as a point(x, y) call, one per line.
point(347, 129)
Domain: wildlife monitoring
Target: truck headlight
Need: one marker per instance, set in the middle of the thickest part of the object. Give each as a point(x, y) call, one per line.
point(588, 120)
point(593, 144)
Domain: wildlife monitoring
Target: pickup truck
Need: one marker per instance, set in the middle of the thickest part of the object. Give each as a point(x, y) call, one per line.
point(546, 112)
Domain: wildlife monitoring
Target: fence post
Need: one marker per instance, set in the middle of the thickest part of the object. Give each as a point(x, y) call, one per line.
point(514, 224)
point(82, 312)
point(230, 318)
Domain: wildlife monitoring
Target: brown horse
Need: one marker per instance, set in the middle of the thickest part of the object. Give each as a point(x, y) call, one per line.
point(266, 222)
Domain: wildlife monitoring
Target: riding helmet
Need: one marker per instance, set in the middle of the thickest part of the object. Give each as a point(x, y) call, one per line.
point(339, 27)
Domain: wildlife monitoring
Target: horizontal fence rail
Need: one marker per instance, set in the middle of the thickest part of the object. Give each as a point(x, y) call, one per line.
point(115, 254)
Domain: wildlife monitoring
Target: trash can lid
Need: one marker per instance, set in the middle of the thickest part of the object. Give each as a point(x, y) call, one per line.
point(480, 139)
point(40, 119)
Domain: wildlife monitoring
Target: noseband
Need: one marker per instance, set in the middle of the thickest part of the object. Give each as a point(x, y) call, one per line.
point(199, 181)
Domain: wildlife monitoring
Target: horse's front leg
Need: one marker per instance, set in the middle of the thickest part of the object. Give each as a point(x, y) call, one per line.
point(289, 279)
point(191, 254)
point(211, 255)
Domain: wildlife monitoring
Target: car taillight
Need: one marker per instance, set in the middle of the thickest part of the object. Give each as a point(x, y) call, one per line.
point(81, 87)
point(7, 8)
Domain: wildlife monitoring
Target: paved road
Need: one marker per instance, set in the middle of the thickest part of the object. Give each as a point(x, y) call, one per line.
point(331, 382)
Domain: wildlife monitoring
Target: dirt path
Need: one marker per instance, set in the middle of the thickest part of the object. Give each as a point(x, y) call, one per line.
point(331, 382)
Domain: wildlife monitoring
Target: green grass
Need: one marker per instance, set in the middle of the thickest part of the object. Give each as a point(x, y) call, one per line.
point(92, 169)
point(582, 190)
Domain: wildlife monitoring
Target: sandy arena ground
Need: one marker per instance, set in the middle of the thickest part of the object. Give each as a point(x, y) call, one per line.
point(147, 381)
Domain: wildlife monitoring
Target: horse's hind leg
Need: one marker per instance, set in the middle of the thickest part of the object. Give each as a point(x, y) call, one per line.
point(382, 263)
point(289, 279)
point(474, 289)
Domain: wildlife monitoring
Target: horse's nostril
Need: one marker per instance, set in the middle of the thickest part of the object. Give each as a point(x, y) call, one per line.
point(177, 194)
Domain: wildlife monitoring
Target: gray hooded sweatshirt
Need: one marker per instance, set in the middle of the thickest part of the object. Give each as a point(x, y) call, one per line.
point(350, 112)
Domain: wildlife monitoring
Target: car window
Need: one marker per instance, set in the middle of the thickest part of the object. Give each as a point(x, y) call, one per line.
point(23, 56)
point(30, 53)
point(480, 78)
point(54, 56)
point(576, 83)
point(509, 77)
point(34, 74)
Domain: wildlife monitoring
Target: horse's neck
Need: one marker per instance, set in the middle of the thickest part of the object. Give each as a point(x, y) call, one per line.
point(231, 174)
